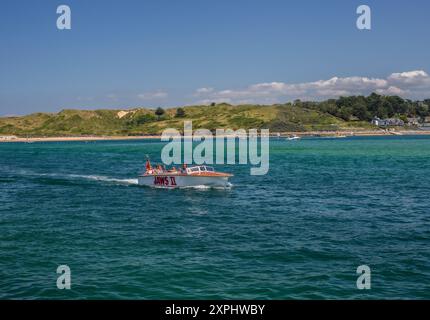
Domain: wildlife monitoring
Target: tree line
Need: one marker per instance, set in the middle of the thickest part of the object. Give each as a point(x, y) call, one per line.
point(365, 108)
point(347, 108)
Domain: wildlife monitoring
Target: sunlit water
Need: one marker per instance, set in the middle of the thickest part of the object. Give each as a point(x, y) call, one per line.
point(325, 207)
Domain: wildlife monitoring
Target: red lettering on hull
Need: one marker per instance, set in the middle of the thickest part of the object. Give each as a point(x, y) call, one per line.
point(164, 181)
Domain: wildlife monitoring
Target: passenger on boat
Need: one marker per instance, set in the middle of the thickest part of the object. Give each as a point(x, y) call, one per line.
point(173, 170)
point(148, 167)
point(159, 168)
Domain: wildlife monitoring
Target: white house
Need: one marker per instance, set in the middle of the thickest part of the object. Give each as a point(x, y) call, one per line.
point(387, 122)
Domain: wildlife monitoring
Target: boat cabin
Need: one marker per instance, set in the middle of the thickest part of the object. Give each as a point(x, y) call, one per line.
point(199, 169)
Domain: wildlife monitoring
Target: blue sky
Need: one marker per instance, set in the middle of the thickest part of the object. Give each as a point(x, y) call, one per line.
point(124, 54)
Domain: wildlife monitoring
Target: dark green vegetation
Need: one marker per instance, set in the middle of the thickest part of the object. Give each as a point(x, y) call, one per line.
point(365, 108)
point(345, 113)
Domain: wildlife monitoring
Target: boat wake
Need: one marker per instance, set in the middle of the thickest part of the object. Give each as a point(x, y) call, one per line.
point(108, 180)
point(204, 187)
point(98, 178)
point(105, 179)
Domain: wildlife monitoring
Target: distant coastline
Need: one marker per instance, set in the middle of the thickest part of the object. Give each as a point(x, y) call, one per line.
point(364, 133)
point(354, 115)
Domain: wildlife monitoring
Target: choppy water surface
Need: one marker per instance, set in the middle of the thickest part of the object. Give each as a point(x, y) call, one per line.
point(326, 207)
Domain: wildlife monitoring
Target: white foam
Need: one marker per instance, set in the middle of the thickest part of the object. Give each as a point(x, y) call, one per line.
point(121, 181)
point(79, 176)
point(203, 187)
point(105, 179)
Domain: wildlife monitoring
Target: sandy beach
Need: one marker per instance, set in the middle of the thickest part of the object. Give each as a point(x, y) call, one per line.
point(283, 134)
point(65, 139)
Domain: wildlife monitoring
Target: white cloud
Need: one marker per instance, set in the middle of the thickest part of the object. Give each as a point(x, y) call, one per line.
point(209, 101)
point(410, 77)
point(155, 95)
point(392, 91)
point(414, 84)
point(203, 91)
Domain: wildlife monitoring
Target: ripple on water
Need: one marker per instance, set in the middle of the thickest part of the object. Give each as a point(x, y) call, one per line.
point(325, 207)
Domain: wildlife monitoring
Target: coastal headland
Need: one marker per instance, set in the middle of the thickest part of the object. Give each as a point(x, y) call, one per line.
point(374, 115)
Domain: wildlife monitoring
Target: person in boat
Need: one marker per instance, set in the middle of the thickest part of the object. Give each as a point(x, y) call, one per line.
point(159, 169)
point(148, 167)
point(184, 168)
point(173, 170)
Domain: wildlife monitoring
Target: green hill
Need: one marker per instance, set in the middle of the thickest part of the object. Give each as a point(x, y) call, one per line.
point(345, 113)
point(142, 121)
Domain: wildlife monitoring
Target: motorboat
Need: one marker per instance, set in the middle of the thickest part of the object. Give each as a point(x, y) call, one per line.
point(193, 176)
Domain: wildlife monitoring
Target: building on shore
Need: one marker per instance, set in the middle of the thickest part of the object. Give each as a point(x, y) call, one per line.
point(426, 125)
point(390, 122)
point(378, 122)
point(413, 122)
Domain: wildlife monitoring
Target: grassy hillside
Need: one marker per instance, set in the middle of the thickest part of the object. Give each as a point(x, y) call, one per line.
point(278, 118)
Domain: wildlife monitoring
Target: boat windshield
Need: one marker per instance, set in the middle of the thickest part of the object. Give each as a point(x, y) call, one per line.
point(201, 169)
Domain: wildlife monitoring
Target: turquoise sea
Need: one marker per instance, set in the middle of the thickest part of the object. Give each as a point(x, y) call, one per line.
point(326, 207)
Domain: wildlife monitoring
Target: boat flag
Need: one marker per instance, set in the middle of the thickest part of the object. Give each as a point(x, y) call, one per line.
point(148, 165)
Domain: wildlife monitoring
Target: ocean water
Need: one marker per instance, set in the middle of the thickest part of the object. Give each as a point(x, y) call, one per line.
point(326, 207)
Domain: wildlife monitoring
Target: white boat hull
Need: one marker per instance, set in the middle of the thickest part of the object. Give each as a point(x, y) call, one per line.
point(178, 181)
